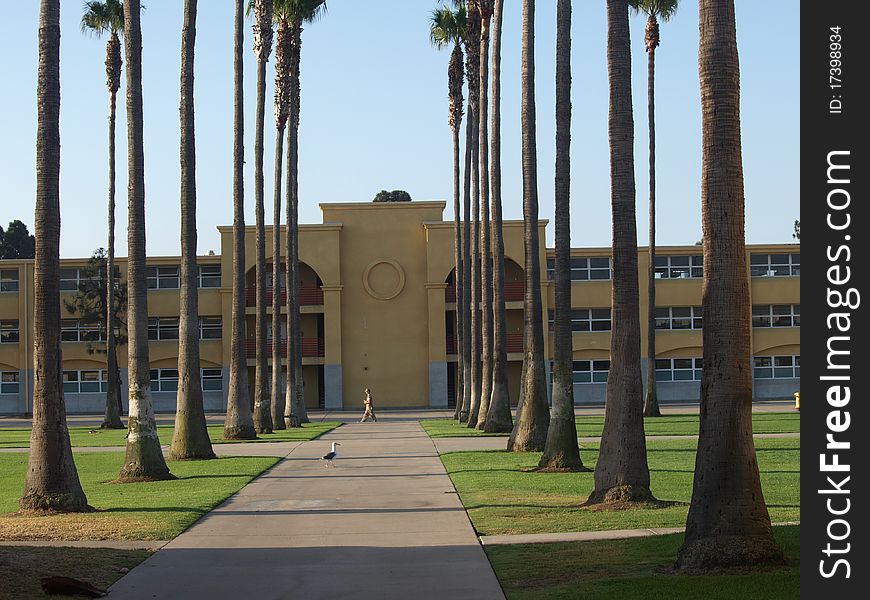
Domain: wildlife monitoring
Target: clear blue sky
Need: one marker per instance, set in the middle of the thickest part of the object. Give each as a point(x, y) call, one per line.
point(374, 117)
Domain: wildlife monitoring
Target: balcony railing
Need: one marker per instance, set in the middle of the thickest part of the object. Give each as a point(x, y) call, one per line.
point(514, 343)
point(309, 295)
point(311, 348)
point(513, 292)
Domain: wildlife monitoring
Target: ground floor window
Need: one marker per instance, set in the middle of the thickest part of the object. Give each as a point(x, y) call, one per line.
point(212, 380)
point(679, 369)
point(9, 382)
point(166, 380)
point(776, 367)
point(591, 371)
point(85, 382)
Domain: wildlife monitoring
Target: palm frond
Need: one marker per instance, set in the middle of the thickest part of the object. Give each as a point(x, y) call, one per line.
point(102, 16)
point(661, 9)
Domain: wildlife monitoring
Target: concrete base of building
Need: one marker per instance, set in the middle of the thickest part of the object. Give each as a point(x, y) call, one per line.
point(438, 384)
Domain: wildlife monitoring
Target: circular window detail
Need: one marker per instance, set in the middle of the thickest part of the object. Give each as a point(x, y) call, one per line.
point(384, 279)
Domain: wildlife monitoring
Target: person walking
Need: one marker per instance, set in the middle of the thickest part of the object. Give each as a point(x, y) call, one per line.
point(370, 409)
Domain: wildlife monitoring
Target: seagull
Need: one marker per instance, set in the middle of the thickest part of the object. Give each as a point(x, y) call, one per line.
point(329, 456)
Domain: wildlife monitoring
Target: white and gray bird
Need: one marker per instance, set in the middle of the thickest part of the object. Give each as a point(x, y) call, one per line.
point(330, 456)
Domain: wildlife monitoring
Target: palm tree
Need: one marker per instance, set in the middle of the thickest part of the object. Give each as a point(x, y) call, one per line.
point(728, 523)
point(621, 473)
point(533, 415)
point(485, 7)
point(262, 49)
point(447, 27)
point(498, 416)
point(298, 13)
point(52, 481)
point(99, 18)
point(664, 10)
point(144, 458)
point(190, 439)
point(472, 72)
point(282, 110)
point(561, 451)
point(239, 424)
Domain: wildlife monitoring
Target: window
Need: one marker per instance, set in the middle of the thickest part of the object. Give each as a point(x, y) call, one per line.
point(591, 371)
point(774, 265)
point(679, 267)
point(583, 269)
point(777, 367)
point(72, 330)
point(680, 317)
point(210, 328)
point(162, 278)
point(679, 369)
point(9, 382)
point(776, 315)
point(212, 380)
point(8, 332)
point(162, 328)
point(209, 276)
point(9, 280)
point(586, 319)
point(164, 380)
point(85, 382)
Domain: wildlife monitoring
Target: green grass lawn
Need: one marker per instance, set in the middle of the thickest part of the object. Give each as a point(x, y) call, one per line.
point(82, 436)
point(633, 569)
point(785, 422)
point(135, 511)
point(503, 499)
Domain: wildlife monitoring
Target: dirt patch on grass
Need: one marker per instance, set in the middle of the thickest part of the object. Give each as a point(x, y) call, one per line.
point(78, 526)
point(23, 567)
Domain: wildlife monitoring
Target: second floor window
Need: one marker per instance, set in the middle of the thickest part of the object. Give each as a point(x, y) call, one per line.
point(209, 276)
point(162, 278)
point(679, 267)
point(679, 317)
point(8, 332)
point(776, 315)
point(72, 330)
point(586, 319)
point(774, 265)
point(210, 328)
point(8, 280)
point(162, 328)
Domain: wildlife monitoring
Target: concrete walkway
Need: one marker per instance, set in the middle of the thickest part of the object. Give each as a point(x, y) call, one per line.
point(384, 523)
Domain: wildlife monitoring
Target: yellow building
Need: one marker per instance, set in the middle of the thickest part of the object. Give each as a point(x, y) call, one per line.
point(378, 311)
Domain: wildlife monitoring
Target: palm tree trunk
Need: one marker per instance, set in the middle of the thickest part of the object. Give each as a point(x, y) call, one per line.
point(144, 458)
point(262, 414)
point(52, 481)
point(651, 401)
point(728, 524)
point(476, 346)
point(498, 417)
point(466, 272)
point(112, 418)
point(485, 242)
point(561, 451)
point(458, 282)
point(277, 400)
point(621, 473)
point(533, 414)
point(190, 439)
point(239, 424)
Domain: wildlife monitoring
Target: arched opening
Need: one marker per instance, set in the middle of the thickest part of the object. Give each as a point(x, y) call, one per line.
point(310, 283)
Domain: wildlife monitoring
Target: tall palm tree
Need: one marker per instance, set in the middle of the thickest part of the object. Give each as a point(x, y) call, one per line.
point(498, 416)
point(262, 50)
point(52, 482)
point(144, 458)
point(533, 414)
point(655, 10)
point(472, 72)
point(447, 27)
point(239, 424)
point(561, 451)
point(282, 110)
point(621, 473)
point(190, 439)
point(485, 7)
point(99, 18)
point(298, 13)
point(728, 523)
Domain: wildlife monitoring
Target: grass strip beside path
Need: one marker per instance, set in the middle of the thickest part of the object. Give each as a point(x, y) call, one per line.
point(501, 497)
point(95, 437)
point(23, 567)
point(632, 569)
point(591, 426)
point(133, 511)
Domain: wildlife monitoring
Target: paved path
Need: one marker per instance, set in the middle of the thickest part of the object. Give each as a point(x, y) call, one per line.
point(384, 523)
point(280, 449)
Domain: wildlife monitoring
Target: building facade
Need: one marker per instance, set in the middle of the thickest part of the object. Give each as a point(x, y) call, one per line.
point(378, 311)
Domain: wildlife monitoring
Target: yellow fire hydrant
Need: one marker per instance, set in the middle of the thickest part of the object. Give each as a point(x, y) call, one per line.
point(797, 401)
